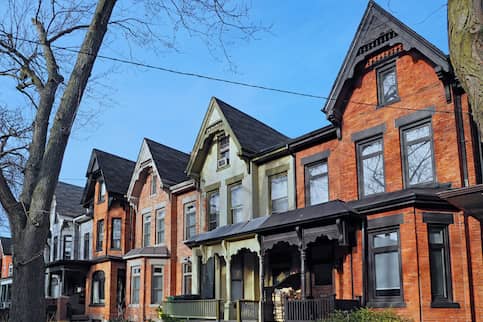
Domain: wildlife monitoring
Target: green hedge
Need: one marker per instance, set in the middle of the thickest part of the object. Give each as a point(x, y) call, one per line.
point(366, 315)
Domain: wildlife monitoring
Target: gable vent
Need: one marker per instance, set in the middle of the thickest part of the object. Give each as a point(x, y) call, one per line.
point(377, 42)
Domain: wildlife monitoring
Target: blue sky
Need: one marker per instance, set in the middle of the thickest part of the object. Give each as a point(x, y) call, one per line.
point(303, 52)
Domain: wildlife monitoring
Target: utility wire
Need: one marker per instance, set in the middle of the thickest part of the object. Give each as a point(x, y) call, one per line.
point(232, 82)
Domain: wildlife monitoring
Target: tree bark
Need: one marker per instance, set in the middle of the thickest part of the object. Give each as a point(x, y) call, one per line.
point(30, 236)
point(466, 50)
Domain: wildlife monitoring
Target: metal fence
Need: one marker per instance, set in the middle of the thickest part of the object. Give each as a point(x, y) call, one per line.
point(309, 309)
point(194, 309)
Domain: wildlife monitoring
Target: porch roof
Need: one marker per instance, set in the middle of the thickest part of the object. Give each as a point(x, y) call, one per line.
point(227, 231)
point(149, 251)
point(324, 211)
point(469, 199)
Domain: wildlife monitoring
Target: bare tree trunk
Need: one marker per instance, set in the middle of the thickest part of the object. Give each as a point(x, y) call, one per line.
point(30, 228)
point(466, 50)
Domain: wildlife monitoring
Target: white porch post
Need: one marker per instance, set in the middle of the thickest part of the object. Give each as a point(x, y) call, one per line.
point(195, 274)
point(262, 284)
point(228, 287)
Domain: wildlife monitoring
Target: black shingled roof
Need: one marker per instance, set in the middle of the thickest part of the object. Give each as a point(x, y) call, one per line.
point(170, 163)
point(253, 135)
point(323, 211)
point(6, 245)
point(68, 199)
point(117, 171)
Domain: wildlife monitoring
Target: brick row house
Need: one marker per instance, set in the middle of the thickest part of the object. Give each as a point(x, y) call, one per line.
point(66, 254)
point(165, 200)
point(6, 272)
point(113, 219)
point(380, 208)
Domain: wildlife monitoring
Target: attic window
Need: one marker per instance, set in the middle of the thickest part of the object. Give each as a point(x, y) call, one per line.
point(387, 91)
point(102, 191)
point(154, 183)
point(223, 151)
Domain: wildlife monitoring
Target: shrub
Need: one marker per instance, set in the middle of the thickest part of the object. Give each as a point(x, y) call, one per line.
point(366, 315)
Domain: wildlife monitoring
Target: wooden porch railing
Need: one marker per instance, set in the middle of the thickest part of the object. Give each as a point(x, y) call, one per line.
point(247, 310)
point(309, 309)
point(194, 309)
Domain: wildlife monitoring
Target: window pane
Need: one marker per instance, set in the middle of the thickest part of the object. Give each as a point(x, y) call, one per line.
point(214, 209)
point(389, 85)
point(160, 226)
point(385, 239)
point(387, 271)
point(420, 162)
point(417, 133)
point(279, 205)
point(319, 189)
point(278, 187)
point(147, 230)
point(436, 236)
point(318, 169)
point(372, 147)
point(237, 215)
point(116, 233)
point(438, 273)
point(373, 175)
point(236, 195)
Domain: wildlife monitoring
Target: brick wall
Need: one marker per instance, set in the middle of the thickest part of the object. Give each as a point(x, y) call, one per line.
point(419, 88)
point(109, 309)
point(6, 261)
point(182, 250)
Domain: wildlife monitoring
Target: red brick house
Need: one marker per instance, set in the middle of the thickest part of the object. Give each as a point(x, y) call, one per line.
point(388, 196)
point(108, 178)
point(371, 225)
point(165, 201)
point(6, 267)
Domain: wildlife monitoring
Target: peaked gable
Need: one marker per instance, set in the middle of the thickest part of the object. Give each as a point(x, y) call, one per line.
point(170, 163)
point(115, 170)
point(167, 162)
point(68, 199)
point(7, 247)
point(377, 31)
point(250, 135)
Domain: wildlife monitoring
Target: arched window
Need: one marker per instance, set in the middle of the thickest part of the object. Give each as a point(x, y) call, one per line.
point(97, 292)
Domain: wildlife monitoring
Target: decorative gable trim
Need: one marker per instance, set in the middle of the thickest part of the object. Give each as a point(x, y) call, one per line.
point(377, 31)
point(205, 138)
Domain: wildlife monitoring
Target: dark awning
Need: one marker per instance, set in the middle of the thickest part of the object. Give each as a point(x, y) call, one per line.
point(317, 213)
point(227, 231)
point(469, 199)
point(149, 251)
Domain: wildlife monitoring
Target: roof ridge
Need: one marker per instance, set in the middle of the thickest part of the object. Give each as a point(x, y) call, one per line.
point(166, 146)
point(249, 116)
point(112, 154)
point(69, 184)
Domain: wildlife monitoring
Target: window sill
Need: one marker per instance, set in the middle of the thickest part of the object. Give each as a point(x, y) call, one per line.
point(223, 167)
point(133, 305)
point(388, 304)
point(97, 305)
point(445, 305)
point(388, 103)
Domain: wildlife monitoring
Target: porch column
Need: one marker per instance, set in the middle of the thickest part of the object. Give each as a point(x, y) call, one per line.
point(62, 283)
point(47, 284)
point(262, 285)
point(228, 287)
point(302, 272)
point(195, 280)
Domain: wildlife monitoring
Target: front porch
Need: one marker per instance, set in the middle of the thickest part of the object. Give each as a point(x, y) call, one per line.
point(65, 287)
point(281, 269)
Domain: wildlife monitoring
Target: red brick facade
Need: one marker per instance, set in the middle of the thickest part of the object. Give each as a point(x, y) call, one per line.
point(419, 87)
point(108, 259)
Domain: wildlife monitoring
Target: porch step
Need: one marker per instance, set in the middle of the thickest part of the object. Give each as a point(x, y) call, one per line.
point(79, 318)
